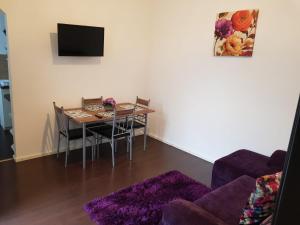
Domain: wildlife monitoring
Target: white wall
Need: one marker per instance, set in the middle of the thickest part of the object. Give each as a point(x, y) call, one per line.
point(39, 76)
point(3, 42)
point(209, 106)
point(212, 106)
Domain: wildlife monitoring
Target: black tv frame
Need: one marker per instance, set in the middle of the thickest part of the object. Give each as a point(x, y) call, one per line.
point(287, 209)
point(82, 53)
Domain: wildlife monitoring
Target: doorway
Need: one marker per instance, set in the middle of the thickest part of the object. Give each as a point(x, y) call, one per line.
point(6, 128)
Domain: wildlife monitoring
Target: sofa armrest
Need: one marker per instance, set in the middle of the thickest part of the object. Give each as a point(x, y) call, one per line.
point(238, 163)
point(277, 160)
point(181, 212)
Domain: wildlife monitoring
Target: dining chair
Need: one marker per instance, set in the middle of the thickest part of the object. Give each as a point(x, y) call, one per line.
point(92, 104)
point(140, 121)
point(69, 134)
point(121, 128)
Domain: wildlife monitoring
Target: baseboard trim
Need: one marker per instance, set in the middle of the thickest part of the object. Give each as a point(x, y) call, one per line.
point(53, 152)
point(43, 154)
point(33, 156)
point(180, 147)
point(6, 160)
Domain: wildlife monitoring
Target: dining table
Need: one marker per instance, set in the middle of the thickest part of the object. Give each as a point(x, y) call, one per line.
point(97, 114)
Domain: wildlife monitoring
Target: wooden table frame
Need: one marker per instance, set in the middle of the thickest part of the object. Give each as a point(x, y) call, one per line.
point(94, 119)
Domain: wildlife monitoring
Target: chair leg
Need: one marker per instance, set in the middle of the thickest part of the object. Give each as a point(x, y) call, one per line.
point(93, 152)
point(145, 138)
point(68, 146)
point(133, 131)
point(116, 145)
point(97, 147)
point(58, 145)
point(100, 146)
point(113, 152)
point(130, 143)
point(67, 153)
point(127, 143)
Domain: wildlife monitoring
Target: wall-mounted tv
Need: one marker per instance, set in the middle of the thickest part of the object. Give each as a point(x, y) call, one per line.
point(77, 40)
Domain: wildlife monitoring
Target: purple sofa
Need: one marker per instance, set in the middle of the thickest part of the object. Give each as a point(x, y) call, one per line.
point(222, 206)
point(233, 181)
point(245, 162)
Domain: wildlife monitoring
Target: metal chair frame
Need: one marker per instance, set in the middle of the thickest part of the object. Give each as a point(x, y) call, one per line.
point(142, 119)
point(121, 129)
point(85, 102)
point(91, 101)
point(63, 125)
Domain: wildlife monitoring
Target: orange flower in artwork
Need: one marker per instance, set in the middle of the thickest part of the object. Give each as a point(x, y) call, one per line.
point(241, 20)
point(233, 46)
point(248, 43)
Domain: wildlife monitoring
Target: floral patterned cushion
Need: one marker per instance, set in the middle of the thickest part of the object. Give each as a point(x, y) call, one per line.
point(261, 202)
point(267, 221)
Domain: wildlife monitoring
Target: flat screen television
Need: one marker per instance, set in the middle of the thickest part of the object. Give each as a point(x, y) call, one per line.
point(76, 40)
point(287, 208)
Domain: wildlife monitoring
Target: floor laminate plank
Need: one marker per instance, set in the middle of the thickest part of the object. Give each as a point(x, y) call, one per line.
point(42, 192)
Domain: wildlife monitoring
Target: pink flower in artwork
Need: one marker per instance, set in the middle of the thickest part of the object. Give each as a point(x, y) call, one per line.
point(223, 28)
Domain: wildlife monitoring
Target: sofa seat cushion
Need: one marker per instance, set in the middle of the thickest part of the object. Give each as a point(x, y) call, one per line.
point(182, 212)
point(228, 201)
point(241, 162)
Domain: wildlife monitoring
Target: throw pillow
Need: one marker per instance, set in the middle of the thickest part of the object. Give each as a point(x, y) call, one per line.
point(261, 203)
point(267, 221)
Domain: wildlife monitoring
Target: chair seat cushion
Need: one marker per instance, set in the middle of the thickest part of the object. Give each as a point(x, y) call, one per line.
point(77, 133)
point(182, 212)
point(137, 125)
point(95, 124)
point(228, 201)
point(106, 131)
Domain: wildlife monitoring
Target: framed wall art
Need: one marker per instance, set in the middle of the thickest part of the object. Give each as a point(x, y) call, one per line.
point(235, 33)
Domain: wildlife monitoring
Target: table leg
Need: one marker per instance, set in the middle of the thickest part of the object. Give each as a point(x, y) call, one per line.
point(83, 145)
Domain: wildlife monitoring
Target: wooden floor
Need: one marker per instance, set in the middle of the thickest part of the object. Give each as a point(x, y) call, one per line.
point(42, 191)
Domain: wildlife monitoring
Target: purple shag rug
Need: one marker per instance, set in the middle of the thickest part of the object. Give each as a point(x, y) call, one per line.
point(141, 204)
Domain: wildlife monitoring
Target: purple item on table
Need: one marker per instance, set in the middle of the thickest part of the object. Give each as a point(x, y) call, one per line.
point(109, 101)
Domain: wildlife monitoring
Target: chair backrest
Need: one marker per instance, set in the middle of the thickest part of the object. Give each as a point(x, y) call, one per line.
point(122, 123)
point(92, 104)
point(142, 103)
point(61, 120)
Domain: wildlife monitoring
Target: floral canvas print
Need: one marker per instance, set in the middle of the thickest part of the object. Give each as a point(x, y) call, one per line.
point(235, 33)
